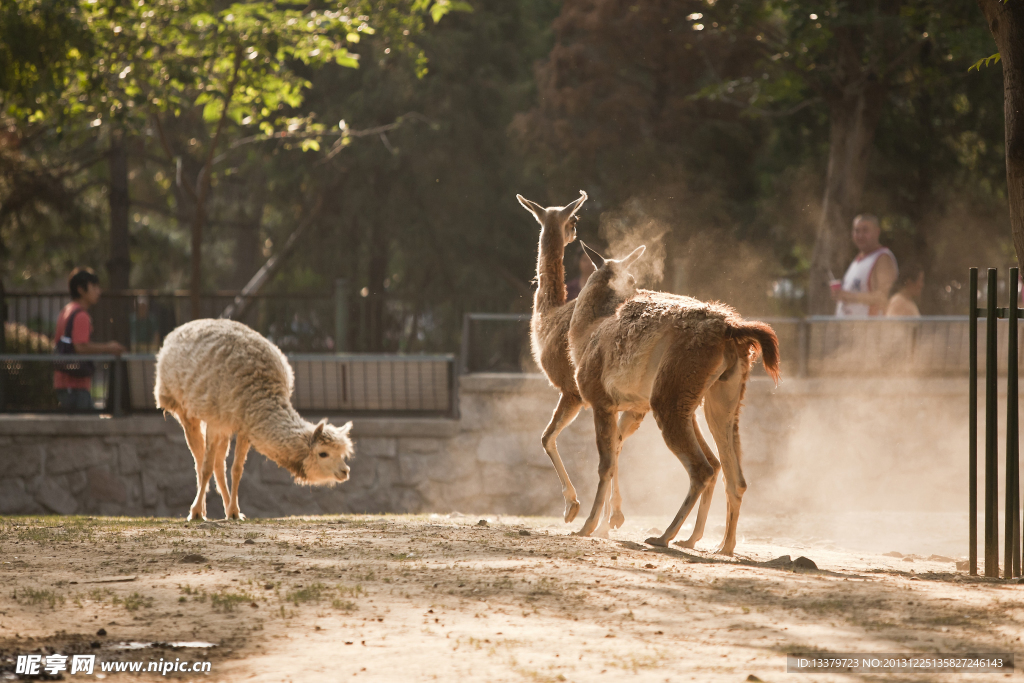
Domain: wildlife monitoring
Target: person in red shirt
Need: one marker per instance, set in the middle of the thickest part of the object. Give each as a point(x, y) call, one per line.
point(74, 393)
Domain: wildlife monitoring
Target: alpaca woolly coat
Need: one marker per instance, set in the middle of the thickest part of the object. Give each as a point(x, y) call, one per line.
point(230, 377)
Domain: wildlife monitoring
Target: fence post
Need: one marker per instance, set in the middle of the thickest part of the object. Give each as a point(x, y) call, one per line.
point(991, 433)
point(972, 428)
point(1011, 557)
point(118, 365)
point(464, 360)
point(340, 315)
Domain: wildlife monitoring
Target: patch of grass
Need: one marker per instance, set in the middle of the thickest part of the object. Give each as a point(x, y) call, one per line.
point(32, 596)
point(198, 594)
point(134, 601)
point(227, 602)
point(344, 605)
point(314, 592)
point(353, 591)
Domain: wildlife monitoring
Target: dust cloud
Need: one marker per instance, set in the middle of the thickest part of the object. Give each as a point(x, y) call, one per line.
point(625, 229)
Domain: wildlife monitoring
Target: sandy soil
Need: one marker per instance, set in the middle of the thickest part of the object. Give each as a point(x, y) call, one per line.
point(447, 598)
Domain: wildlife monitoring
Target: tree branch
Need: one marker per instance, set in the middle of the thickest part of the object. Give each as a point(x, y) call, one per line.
point(229, 94)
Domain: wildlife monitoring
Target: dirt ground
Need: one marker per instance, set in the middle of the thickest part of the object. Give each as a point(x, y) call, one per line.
point(448, 598)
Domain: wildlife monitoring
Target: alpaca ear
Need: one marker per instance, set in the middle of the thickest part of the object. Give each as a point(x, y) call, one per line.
point(594, 257)
point(536, 209)
point(634, 255)
point(573, 207)
point(318, 431)
point(345, 428)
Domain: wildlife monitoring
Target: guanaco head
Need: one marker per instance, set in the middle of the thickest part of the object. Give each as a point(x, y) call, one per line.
point(561, 219)
point(608, 287)
point(329, 448)
point(612, 277)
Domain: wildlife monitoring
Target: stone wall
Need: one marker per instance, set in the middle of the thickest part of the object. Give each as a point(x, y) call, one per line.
point(820, 440)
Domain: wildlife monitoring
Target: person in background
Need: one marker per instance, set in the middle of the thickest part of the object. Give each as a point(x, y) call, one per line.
point(865, 287)
point(75, 393)
point(575, 286)
point(908, 292)
point(145, 330)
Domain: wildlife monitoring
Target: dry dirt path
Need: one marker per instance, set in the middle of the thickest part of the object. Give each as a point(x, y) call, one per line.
point(423, 598)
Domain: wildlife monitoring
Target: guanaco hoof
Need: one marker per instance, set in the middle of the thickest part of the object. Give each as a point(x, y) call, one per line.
point(617, 519)
point(656, 541)
point(572, 508)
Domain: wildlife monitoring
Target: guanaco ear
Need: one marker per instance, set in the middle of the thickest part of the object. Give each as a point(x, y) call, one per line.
point(318, 431)
point(573, 207)
point(533, 207)
point(633, 256)
point(594, 257)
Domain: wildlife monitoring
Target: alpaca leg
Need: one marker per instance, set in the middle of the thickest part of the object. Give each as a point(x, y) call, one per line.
point(705, 497)
point(722, 409)
point(220, 470)
point(197, 444)
point(214, 443)
point(237, 467)
point(607, 434)
point(565, 412)
point(629, 422)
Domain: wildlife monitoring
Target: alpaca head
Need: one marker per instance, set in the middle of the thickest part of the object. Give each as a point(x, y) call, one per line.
point(324, 463)
point(612, 277)
point(559, 220)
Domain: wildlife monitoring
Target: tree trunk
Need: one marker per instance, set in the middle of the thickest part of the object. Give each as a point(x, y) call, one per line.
point(119, 265)
point(196, 259)
point(854, 114)
point(1006, 22)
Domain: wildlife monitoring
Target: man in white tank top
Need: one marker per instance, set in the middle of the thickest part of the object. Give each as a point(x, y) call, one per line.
point(866, 284)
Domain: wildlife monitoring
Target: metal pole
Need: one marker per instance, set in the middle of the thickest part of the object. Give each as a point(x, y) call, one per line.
point(118, 380)
point(465, 344)
point(972, 428)
point(340, 315)
point(991, 434)
point(1009, 556)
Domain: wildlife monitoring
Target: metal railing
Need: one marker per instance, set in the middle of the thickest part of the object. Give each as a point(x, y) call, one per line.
point(26, 383)
point(358, 384)
point(141, 318)
point(818, 346)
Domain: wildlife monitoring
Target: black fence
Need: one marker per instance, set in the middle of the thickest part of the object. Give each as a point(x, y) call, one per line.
point(820, 346)
point(141, 319)
point(26, 384)
point(993, 315)
point(357, 384)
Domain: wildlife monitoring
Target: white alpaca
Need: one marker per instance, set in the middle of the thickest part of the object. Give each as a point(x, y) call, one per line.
point(232, 380)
